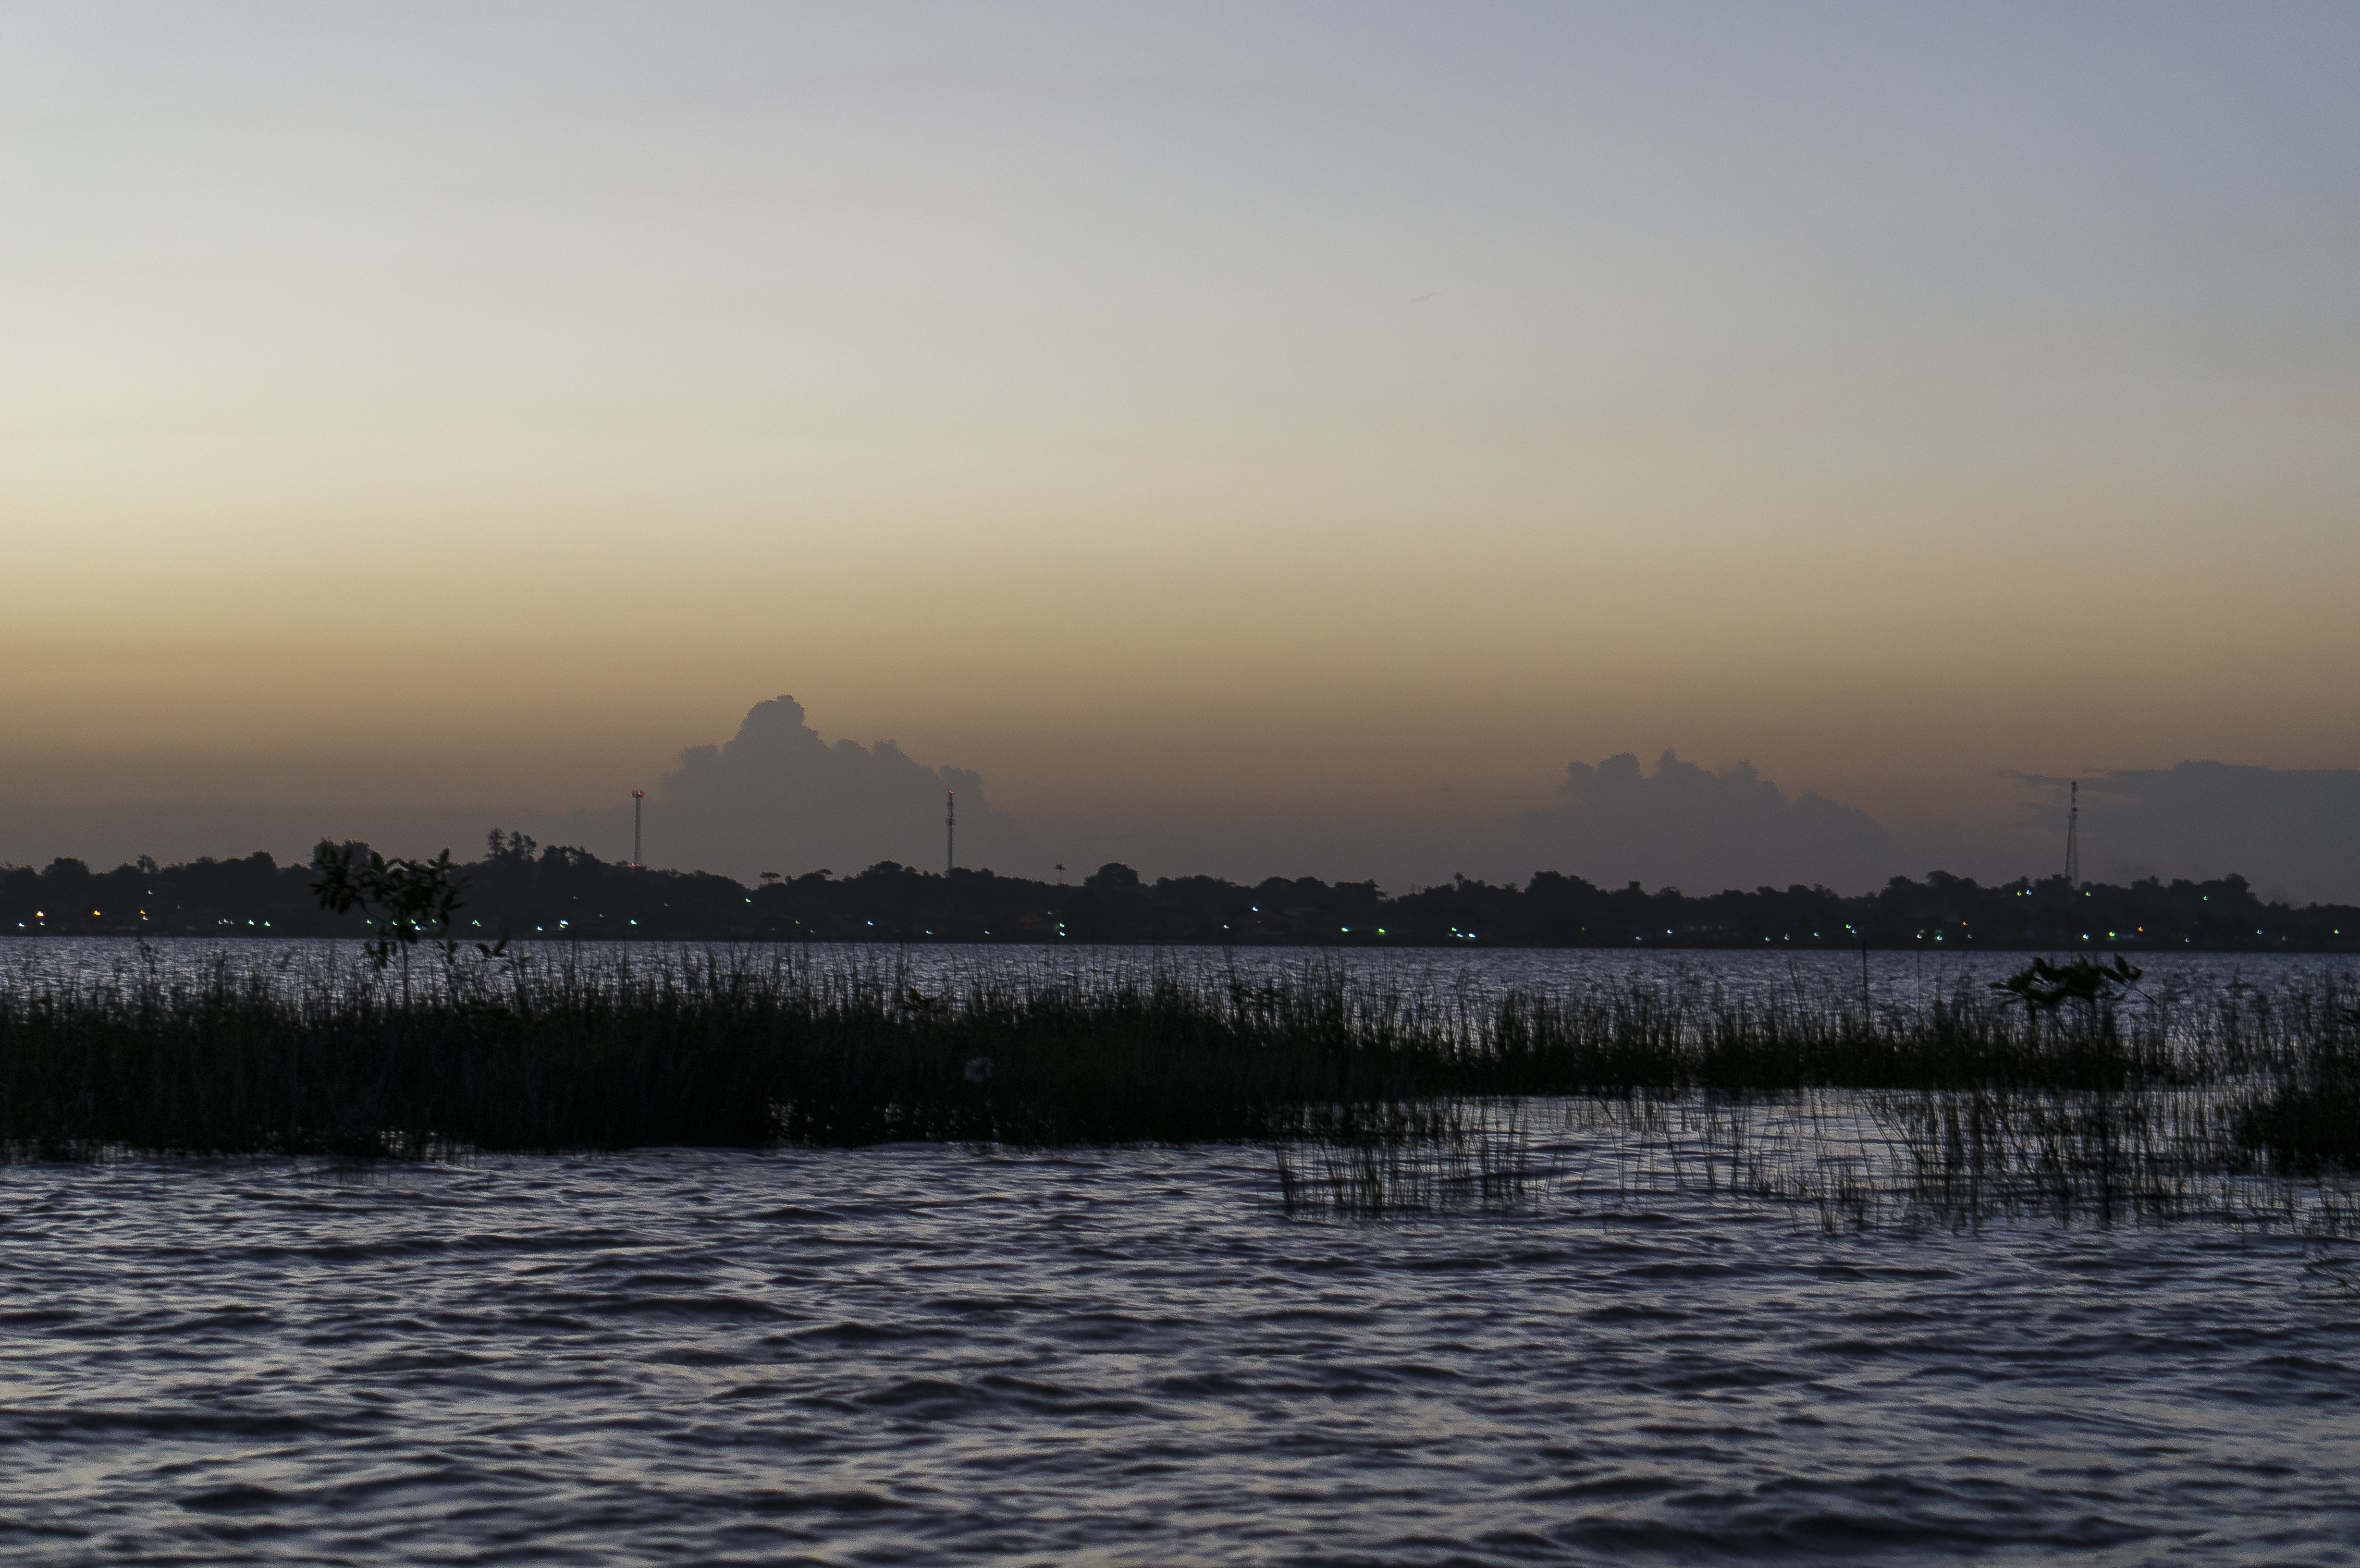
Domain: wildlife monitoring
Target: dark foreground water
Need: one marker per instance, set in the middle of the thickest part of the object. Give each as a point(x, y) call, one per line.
point(930, 1355)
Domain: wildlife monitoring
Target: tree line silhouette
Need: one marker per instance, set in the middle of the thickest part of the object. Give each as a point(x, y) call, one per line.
point(521, 890)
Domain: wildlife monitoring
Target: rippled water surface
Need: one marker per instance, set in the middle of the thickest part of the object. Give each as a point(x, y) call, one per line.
point(916, 1355)
point(1892, 979)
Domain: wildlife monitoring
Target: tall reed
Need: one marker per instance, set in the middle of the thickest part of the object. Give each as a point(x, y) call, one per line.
point(752, 1046)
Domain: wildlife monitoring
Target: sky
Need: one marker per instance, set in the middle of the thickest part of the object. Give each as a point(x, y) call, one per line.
point(1240, 439)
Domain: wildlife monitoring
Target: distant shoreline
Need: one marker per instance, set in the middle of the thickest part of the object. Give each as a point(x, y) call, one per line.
point(523, 892)
point(1305, 944)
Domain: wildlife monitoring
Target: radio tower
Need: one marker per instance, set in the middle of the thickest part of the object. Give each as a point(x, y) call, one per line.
point(950, 831)
point(2073, 838)
point(639, 798)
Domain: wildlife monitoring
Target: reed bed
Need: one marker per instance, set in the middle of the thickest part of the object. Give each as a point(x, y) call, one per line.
point(1842, 1158)
point(1376, 1099)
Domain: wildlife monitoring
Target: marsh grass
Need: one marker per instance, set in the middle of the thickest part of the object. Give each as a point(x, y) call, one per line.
point(1376, 1100)
point(1837, 1160)
point(1446, 1156)
point(714, 1048)
point(2308, 1119)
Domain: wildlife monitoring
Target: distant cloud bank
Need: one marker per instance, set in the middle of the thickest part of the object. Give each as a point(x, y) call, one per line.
point(1688, 827)
point(778, 797)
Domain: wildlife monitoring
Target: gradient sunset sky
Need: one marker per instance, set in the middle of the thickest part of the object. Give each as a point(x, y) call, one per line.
point(1215, 422)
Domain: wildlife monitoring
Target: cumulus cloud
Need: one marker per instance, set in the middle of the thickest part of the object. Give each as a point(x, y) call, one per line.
point(1699, 831)
point(778, 797)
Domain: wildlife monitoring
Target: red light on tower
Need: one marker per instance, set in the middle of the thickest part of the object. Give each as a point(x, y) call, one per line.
point(638, 796)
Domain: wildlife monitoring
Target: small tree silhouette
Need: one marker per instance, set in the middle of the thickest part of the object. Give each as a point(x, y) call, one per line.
point(2046, 987)
point(405, 901)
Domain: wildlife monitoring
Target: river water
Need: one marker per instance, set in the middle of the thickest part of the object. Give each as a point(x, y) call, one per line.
point(921, 1353)
point(1892, 979)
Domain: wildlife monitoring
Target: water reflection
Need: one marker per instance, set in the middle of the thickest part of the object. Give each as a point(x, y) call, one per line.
point(928, 1354)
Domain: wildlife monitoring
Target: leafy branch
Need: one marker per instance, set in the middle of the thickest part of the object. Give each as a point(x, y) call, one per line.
point(2046, 987)
point(404, 900)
